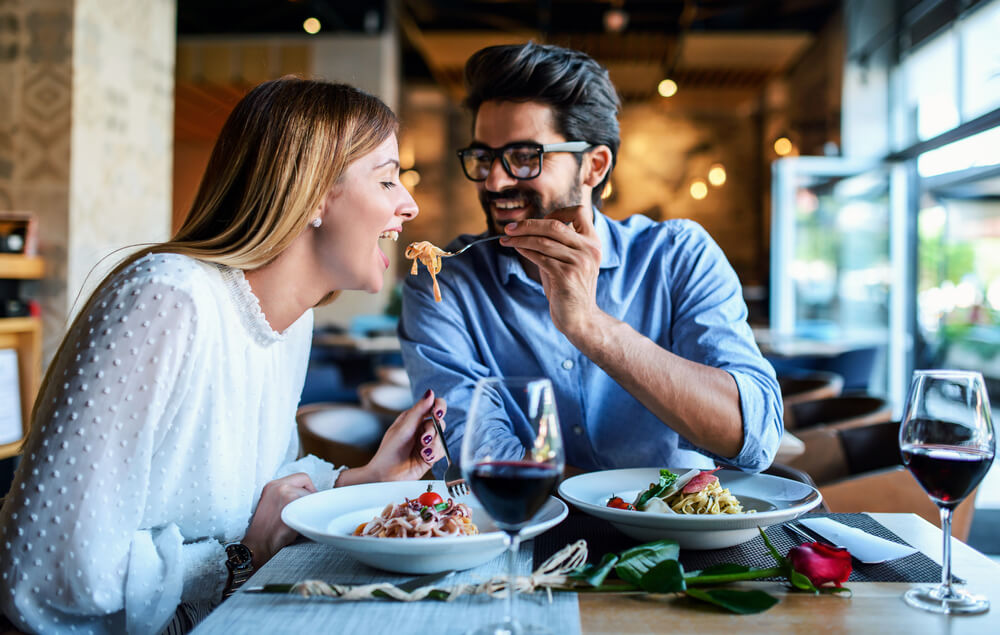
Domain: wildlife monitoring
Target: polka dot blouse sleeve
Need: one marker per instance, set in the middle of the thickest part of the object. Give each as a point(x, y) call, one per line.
point(76, 553)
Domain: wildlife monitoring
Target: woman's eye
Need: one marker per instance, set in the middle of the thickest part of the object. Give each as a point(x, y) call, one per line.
point(388, 185)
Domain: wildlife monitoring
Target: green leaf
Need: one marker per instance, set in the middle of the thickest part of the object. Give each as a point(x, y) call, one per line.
point(638, 560)
point(740, 602)
point(666, 577)
point(721, 569)
point(594, 574)
point(800, 581)
point(781, 560)
point(667, 479)
point(441, 507)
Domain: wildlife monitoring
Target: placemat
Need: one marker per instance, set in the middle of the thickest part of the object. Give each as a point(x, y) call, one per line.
point(290, 614)
point(602, 537)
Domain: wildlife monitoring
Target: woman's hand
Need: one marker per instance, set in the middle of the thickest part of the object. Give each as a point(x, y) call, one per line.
point(408, 449)
point(266, 534)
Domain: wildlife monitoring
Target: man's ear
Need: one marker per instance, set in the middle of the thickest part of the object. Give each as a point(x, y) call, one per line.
point(596, 163)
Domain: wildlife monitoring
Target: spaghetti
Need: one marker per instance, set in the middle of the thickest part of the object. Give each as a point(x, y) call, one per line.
point(712, 499)
point(412, 519)
point(430, 256)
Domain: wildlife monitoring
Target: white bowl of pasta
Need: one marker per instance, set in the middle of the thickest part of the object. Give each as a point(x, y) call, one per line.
point(332, 516)
point(766, 500)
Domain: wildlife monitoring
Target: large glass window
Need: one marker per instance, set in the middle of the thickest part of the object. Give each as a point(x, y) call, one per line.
point(980, 42)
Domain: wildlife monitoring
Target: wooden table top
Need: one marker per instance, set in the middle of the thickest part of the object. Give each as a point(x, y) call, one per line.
point(874, 607)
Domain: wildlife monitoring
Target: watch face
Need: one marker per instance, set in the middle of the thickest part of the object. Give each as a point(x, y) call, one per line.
point(239, 555)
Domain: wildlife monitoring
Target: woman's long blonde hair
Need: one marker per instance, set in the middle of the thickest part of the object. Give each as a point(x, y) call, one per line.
point(281, 149)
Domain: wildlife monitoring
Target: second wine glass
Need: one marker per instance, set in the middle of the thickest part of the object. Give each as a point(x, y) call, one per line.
point(946, 439)
point(512, 458)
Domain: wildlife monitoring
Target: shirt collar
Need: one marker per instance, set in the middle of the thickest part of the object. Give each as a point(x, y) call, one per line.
point(510, 266)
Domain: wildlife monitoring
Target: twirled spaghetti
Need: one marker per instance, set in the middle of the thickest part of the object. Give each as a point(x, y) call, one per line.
point(429, 255)
point(412, 519)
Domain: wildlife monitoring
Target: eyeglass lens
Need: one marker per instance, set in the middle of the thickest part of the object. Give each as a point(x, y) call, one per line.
point(520, 162)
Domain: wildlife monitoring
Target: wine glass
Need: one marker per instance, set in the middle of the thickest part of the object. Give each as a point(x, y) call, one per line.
point(946, 439)
point(512, 476)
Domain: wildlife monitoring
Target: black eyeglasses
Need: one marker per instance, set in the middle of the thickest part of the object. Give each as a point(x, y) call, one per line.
point(522, 161)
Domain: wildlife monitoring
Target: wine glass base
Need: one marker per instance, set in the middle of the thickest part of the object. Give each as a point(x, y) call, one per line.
point(937, 600)
point(510, 628)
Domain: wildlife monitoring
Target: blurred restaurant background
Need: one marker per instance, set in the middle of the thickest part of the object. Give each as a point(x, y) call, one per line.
point(844, 154)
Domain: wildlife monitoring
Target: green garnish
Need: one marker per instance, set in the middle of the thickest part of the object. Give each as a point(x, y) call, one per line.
point(667, 479)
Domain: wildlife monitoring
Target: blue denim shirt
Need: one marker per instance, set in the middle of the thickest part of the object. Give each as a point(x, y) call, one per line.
point(668, 280)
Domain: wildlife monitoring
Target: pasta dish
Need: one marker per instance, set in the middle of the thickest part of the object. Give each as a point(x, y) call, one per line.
point(414, 519)
point(430, 256)
point(695, 492)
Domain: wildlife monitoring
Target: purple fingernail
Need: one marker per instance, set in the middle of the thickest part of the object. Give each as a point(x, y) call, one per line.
point(439, 413)
point(428, 393)
point(427, 439)
point(428, 452)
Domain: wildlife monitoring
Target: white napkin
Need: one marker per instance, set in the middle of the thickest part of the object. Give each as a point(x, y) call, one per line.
point(862, 545)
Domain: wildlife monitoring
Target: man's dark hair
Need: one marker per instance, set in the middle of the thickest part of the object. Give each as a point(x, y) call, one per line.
point(583, 99)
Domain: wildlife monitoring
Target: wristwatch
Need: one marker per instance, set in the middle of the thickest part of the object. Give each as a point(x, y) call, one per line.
point(239, 561)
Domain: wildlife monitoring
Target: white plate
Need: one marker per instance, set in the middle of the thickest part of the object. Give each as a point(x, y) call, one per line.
point(332, 515)
point(776, 500)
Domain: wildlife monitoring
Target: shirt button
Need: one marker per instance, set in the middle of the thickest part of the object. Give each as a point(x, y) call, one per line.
point(578, 429)
point(567, 364)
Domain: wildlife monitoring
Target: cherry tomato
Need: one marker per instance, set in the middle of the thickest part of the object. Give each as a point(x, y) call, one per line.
point(429, 499)
point(618, 503)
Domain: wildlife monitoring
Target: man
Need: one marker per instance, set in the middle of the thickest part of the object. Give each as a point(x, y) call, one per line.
point(640, 325)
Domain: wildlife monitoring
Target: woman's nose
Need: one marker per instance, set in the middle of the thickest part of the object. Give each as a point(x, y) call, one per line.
point(408, 209)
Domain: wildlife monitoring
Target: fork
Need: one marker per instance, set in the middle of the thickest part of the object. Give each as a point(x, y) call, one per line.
point(453, 475)
point(449, 254)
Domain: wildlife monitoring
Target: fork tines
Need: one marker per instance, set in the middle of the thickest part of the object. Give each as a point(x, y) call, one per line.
point(457, 488)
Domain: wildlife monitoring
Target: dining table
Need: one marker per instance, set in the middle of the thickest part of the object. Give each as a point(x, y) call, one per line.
point(871, 607)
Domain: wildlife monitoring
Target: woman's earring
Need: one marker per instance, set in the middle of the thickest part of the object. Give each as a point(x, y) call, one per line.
point(316, 222)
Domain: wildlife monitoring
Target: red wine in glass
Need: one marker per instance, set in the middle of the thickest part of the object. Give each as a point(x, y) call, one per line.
point(947, 473)
point(513, 491)
point(946, 440)
point(512, 458)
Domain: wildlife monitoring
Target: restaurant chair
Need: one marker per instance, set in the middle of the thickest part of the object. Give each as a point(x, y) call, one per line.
point(893, 489)
point(387, 401)
point(844, 412)
point(342, 434)
point(800, 386)
point(835, 451)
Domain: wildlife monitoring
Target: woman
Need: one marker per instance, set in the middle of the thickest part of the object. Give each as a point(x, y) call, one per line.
point(163, 438)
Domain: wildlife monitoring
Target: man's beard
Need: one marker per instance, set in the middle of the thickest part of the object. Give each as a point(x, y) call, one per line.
point(533, 201)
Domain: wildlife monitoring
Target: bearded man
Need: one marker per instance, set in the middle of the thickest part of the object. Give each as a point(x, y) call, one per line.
point(641, 326)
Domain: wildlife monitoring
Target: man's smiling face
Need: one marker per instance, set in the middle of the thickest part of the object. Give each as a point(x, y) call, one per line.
point(506, 199)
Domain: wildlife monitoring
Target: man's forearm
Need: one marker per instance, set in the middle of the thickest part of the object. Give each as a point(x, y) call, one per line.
point(700, 402)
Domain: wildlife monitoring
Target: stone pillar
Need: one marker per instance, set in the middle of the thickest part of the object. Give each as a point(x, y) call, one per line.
point(86, 133)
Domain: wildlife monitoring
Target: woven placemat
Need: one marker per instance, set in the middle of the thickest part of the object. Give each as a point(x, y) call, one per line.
point(602, 537)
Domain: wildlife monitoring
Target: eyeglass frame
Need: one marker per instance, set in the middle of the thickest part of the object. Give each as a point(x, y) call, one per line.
point(574, 147)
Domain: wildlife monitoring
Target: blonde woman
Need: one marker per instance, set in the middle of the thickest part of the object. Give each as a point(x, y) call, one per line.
point(163, 443)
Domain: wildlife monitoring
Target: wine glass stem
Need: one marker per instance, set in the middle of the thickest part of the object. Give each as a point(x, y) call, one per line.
point(946, 550)
point(513, 543)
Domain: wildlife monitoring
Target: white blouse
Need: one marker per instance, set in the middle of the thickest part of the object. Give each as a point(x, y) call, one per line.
point(168, 411)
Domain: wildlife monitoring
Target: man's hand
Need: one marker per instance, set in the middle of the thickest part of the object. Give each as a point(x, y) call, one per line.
point(565, 248)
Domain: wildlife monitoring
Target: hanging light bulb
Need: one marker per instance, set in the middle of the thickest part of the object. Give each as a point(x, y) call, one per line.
point(311, 26)
point(717, 174)
point(782, 146)
point(667, 88)
point(698, 189)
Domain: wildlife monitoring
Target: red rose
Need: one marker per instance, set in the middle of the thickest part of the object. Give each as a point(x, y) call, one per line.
point(821, 563)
